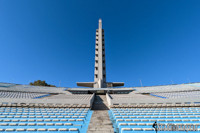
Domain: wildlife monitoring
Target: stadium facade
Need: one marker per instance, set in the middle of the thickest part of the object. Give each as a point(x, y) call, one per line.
point(166, 109)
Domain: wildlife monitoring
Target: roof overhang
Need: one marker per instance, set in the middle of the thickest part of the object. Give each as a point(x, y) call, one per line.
point(85, 84)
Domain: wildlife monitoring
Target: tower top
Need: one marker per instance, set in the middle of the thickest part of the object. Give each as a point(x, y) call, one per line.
point(100, 24)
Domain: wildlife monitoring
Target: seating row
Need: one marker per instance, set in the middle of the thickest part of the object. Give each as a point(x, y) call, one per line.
point(42, 109)
point(150, 124)
point(149, 117)
point(152, 105)
point(39, 120)
point(156, 111)
point(36, 114)
point(159, 120)
point(25, 95)
point(59, 119)
point(36, 124)
point(179, 94)
point(147, 114)
point(39, 129)
point(172, 108)
point(147, 129)
point(142, 122)
point(48, 105)
point(40, 117)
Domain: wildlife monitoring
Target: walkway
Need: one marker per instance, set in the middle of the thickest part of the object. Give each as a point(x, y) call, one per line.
point(100, 121)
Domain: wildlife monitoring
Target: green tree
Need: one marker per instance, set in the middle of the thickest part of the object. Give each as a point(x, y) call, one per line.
point(41, 83)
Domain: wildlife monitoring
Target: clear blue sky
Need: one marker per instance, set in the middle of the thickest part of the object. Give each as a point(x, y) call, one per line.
point(156, 41)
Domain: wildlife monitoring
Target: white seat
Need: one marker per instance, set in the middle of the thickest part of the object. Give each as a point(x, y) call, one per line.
point(41, 129)
point(47, 119)
point(40, 124)
point(126, 129)
point(23, 120)
point(49, 124)
point(13, 124)
point(71, 120)
point(52, 129)
point(68, 124)
point(31, 124)
point(62, 129)
point(20, 129)
point(55, 120)
point(9, 130)
point(137, 129)
point(58, 124)
point(123, 124)
point(4, 124)
point(132, 124)
point(22, 124)
point(73, 129)
point(31, 120)
point(79, 120)
point(148, 129)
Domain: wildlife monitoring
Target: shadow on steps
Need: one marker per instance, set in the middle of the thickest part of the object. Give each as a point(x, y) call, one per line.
point(100, 103)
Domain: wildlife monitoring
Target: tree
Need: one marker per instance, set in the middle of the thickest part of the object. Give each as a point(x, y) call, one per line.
point(41, 83)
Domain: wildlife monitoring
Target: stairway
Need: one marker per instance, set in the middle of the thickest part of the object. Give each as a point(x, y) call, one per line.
point(100, 121)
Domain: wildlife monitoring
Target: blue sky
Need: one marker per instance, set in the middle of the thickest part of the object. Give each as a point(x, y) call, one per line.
point(155, 41)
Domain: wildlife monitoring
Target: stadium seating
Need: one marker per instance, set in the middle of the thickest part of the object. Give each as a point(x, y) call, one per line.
point(180, 94)
point(14, 119)
point(169, 88)
point(25, 95)
point(25, 108)
point(141, 119)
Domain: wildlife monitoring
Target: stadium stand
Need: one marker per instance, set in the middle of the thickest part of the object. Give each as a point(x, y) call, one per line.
point(44, 119)
point(180, 94)
point(141, 119)
point(168, 88)
point(7, 94)
point(25, 108)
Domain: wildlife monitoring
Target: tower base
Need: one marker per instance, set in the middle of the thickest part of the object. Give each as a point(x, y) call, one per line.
point(91, 84)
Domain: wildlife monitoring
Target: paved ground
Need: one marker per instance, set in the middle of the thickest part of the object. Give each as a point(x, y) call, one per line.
point(100, 121)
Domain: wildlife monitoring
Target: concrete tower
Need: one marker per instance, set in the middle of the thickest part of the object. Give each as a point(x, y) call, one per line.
point(100, 64)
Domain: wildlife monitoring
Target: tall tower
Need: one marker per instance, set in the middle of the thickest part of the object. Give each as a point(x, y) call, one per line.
point(100, 64)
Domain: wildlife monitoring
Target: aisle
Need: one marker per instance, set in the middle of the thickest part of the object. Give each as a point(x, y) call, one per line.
point(100, 121)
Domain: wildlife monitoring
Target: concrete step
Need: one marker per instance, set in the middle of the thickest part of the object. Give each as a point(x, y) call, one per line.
point(100, 121)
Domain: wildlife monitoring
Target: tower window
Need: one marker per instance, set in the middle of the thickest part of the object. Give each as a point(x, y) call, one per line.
point(96, 75)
